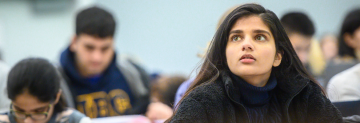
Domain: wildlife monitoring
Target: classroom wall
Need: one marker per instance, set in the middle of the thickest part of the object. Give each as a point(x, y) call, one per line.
point(164, 35)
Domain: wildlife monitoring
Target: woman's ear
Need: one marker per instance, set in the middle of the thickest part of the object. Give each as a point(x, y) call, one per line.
point(58, 95)
point(277, 60)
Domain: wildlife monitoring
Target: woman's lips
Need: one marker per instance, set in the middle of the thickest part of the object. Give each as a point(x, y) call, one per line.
point(247, 58)
point(247, 61)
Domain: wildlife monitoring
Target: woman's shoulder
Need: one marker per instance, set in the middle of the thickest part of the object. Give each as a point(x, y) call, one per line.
point(210, 91)
point(4, 118)
point(317, 105)
point(205, 102)
point(205, 88)
point(312, 91)
point(72, 116)
point(312, 88)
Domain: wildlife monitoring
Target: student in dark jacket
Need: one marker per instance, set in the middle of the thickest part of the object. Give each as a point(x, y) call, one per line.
point(252, 74)
point(96, 81)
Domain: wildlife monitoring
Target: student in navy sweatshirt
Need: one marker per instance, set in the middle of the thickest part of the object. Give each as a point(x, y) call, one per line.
point(96, 81)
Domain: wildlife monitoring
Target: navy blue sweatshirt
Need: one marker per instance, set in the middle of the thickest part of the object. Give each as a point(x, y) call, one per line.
point(106, 94)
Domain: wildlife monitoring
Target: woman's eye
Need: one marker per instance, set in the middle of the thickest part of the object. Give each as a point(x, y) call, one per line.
point(236, 38)
point(260, 38)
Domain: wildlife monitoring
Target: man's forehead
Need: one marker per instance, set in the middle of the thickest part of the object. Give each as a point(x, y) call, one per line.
point(97, 43)
point(86, 37)
point(300, 39)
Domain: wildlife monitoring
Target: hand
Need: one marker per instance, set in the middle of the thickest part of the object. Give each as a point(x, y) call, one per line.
point(158, 111)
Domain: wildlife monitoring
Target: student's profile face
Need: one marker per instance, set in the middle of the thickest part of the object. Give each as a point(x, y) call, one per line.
point(250, 50)
point(301, 45)
point(356, 34)
point(353, 40)
point(356, 37)
point(93, 54)
point(28, 104)
point(329, 47)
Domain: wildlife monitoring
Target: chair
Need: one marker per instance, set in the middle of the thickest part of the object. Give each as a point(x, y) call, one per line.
point(348, 108)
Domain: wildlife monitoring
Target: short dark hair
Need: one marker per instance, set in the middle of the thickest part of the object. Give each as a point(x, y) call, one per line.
point(95, 21)
point(297, 22)
point(36, 76)
point(349, 25)
point(165, 88)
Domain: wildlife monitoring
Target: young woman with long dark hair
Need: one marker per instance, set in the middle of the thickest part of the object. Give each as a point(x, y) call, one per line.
point(251, 73)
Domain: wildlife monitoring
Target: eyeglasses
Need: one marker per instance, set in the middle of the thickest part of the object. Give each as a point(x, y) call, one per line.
point(34, 116)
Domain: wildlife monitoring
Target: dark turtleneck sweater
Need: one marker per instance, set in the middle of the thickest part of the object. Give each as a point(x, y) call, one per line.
point(260, 102)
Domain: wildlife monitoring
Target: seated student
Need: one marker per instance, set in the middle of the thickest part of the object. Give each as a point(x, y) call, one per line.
point(101, 83)
point(345, 86)
point(33, 86)
point(164, 89)
point(163, 95)
point(300, 30)
point(329, 46)
point(251, 73)
point(349, 53)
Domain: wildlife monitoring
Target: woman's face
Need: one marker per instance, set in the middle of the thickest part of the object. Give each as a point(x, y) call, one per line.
point(28, 104)
point(353, 40)
point(329, 47)
point(250, 50)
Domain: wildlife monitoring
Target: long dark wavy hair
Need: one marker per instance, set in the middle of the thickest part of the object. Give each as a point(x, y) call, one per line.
point(215, 59)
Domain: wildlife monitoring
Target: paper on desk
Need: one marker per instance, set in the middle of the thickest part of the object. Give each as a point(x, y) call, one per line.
point(122, 119)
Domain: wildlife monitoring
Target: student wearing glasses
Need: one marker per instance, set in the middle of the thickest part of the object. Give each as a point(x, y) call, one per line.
point(33, 87)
